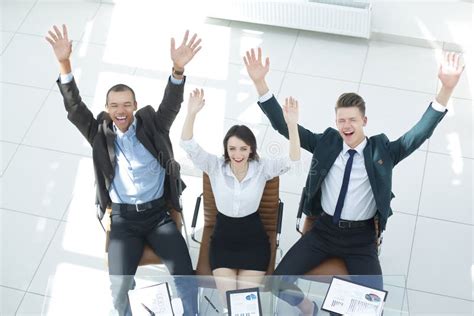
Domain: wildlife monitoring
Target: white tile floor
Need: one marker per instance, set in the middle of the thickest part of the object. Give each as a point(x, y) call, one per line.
point(50, 240)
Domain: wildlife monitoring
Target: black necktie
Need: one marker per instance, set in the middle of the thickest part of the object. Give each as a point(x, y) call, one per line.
point(345, 184)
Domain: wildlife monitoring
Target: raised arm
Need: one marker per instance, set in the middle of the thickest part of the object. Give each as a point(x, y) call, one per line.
point(200, 158)
point(183, 54)
point(195, 104)
point(62, 48)
point(78, 113)
point(173, 97)
point(291, 113)
point(449, 73)
point(257, 71)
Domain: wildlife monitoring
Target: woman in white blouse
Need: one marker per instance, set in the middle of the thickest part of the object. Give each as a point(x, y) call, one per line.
point(239, 248)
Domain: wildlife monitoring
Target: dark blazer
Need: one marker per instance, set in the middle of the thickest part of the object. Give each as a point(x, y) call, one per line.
point(152, 131)
point(380, 155)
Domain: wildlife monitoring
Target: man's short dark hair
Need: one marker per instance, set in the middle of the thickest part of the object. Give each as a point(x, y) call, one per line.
point(243, 133)
point(351, 99)
point(119, 88)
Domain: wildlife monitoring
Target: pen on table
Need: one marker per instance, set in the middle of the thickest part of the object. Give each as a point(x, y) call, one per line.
point(210, 303)
point(148, 310)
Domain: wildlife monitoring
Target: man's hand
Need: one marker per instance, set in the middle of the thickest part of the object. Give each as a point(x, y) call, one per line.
point(255, 68)
point(60, 42)
point(185, 52)
point(449, 73)
point(291, 111)
point(62, 48)
point(450, 70)
point(196, 101)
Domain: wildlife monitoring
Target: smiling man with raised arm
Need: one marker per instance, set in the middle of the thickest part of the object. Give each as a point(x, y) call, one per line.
point(349, 185)
point(136, 174)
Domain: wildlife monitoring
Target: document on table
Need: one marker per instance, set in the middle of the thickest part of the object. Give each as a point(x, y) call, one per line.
point(151, 300)
point(349, 298)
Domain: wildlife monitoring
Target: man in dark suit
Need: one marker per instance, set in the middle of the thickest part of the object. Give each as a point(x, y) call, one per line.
point(350, 179)
point(136, 174)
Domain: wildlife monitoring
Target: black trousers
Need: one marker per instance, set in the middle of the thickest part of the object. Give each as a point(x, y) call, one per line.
point(356, 246)
point(130, 230)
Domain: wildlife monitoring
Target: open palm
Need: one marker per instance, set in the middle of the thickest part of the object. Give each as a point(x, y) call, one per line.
point(450, 70)
point(196, 101)
point(291, 111)
point(185, 52)
point(60, 42)
point(255, 67)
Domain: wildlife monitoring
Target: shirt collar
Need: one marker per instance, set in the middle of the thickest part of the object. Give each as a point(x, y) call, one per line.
point(129, 132)
point(250, 172)
point(359, 148)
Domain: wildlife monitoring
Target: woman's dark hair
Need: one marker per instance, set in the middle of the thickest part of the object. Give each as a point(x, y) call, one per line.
point(245, 134)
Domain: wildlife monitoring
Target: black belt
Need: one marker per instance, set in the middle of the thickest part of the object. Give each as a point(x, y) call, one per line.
point(122, 207)
point(344, 224)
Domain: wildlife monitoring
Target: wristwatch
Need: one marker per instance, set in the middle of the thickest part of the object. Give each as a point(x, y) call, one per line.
point(177, 72)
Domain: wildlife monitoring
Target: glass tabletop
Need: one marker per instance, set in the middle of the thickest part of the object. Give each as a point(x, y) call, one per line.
point(95, 298)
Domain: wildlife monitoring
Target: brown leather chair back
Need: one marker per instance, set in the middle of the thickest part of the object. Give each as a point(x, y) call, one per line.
point(148, 256)
point(268, 211)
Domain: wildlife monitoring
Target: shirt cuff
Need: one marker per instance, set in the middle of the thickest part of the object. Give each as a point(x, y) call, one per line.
point(189, 145)
point(267, 96)
point(295, 164)
point(66, 78)
point(176, 81)
point(438, 107)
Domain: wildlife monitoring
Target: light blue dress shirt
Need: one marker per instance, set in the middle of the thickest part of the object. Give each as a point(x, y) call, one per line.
point(139, 178)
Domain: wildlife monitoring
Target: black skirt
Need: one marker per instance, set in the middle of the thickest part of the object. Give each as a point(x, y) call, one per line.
point(239, 243)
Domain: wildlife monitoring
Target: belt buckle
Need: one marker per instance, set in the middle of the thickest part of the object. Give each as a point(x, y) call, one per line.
point(344, 224)
point(144, 205)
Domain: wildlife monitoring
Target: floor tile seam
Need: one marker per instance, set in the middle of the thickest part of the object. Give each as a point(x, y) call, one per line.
point(410, 256)
point(55, 150)
point(31, 214)
point(39, 264)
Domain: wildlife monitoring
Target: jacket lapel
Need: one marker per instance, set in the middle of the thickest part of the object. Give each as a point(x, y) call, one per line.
point(369, 166)
point(326, 163)
point(142, 137)
point(334, 153)
point(110, 140)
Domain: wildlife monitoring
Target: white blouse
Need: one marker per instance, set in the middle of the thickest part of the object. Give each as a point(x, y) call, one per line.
point(234, 198)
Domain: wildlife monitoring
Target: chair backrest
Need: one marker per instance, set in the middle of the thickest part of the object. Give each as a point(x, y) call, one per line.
point(148, 256)
point(268, 210)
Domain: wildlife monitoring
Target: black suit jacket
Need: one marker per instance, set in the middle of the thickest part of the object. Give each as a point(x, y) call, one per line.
point(152, 131)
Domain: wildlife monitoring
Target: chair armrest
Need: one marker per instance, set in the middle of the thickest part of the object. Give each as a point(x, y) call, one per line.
point(300, 212)
point(105, 223)
point(279, 221)
point(195, 216)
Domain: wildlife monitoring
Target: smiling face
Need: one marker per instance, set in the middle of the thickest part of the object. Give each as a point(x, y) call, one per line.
point(350, 122)
point(238, 152)
point(120, 106)
point(240, 146)
point(350, 118)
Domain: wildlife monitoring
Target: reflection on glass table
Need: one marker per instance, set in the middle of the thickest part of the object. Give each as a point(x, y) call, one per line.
point(91, 296)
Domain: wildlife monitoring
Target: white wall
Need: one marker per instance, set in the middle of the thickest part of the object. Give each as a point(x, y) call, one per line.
point(444, 21)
